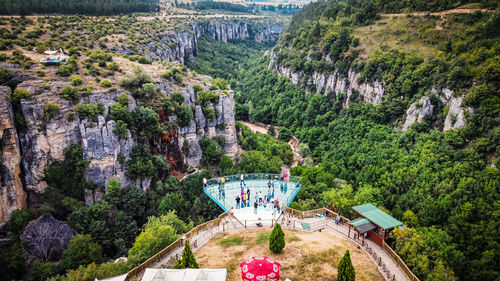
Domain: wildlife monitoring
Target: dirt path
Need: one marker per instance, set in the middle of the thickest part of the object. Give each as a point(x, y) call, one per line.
point(447, 12)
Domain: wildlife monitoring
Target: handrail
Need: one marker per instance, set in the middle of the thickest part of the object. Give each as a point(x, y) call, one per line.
point(170, 248)
point(293, 212)
point(387, 249)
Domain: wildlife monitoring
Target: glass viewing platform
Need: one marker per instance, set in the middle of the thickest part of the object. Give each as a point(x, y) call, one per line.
point(266, 186)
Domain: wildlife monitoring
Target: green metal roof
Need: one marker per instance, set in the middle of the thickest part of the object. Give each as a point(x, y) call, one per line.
point(363, 225)
point(377, 216)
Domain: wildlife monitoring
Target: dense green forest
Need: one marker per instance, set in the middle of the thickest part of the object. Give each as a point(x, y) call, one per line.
point(89, 7)
point(443, 185)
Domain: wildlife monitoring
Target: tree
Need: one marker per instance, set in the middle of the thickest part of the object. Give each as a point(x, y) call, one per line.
point(113, 191)
point(212, 152)
point(277, 239)
point(285, 134)
point(184, 115)
point(135, 79)
point(150, 241)
point(188, 260)
point(81, 251)
point(345, 270)
point(271, 131)
point(41, 271)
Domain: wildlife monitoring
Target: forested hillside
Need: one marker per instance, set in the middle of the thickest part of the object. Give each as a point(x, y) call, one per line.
point(89, 7)
point(443, 184)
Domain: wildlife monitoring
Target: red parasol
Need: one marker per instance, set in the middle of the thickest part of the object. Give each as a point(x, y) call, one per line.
point(260, 269)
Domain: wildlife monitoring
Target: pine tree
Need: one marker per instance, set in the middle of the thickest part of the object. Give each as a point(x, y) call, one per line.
point(345, 270)
point(277, 239)
point(271, 131)
point(188, 260)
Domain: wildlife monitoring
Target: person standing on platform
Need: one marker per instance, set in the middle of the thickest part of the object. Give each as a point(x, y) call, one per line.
point(204, 183)
point(260, 198)
point(255, 205)
point(248, 197)
point(242, 198)
point(237, 201)
point(242, 180)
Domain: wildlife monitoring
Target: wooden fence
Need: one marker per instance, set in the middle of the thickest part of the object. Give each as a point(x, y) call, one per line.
point(134, 272)
point(331, 214)
point(322, 212)
point(399, 261)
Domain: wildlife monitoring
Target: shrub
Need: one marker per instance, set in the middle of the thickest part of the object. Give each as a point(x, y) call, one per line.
point(76, 80)
point(345, 270)
point(188, 260)
point(89, 110)
point(206, 97)
point(184, 115)
point(70, 93)
point(209, 113)
point(18, 220)
point(81, 251)
point(277, 239)
point(219, 84)
point(40, 73)
point(150, 241)
point(105, 83)
point(41, 271)
point(121, 129)
point(178, 98)
point(64, 70)
point(135, 79)
point(144, 60)
point(212, 152)
point(284, 134)
point(20, 94)
point(197, 88)
point(50, 110)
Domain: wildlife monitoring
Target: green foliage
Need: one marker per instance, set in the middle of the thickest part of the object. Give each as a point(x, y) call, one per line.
point(12, 260)
point(135, 79)
point(277, 239)
point(188, 260)
point(146, 92)
point(113, 191)
point(345, 270)
point(41, 271)
point(174, 73)
point(89, 110)
point(284, 134)
point(50, 110)
point(178, 98)
point(64, 70)
point(93, 271)
point(40, 73)
point(212, 152)
point(68, 176)
point(150, 241)
point(76, 80)
point(144, 60)
point(20, 94)
point(81, 251)
point(121, 129)
point(184, 115)
point(219, 84)
point(197, 88)
point(106, 83)
point(140, 165)
point(70, 93)
point(206, 97)
point(146, 122)
point(411, 244)
point(18, 220)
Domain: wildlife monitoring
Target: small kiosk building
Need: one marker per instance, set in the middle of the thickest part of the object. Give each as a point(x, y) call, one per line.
point(374, 222)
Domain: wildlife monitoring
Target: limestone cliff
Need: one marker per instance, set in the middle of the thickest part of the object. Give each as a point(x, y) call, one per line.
point(181, 45)
point(12, 195)
point(373, 92)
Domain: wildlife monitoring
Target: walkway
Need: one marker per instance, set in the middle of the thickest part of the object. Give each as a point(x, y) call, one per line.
point(385, 264)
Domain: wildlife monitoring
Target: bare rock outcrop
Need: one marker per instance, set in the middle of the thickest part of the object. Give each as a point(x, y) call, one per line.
point(12, 195)
point(417, 111)
point(45, 239)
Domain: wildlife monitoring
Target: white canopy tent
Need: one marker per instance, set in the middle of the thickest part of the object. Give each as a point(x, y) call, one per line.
point(188, 274)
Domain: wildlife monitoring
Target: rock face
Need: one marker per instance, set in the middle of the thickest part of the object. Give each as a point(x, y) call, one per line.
point(12, 195)
point(373, 93)
point(45, 239)
point(370, 92)
point(44, 142)
point(417, 111)
point(182, 45)
point(221, 126)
